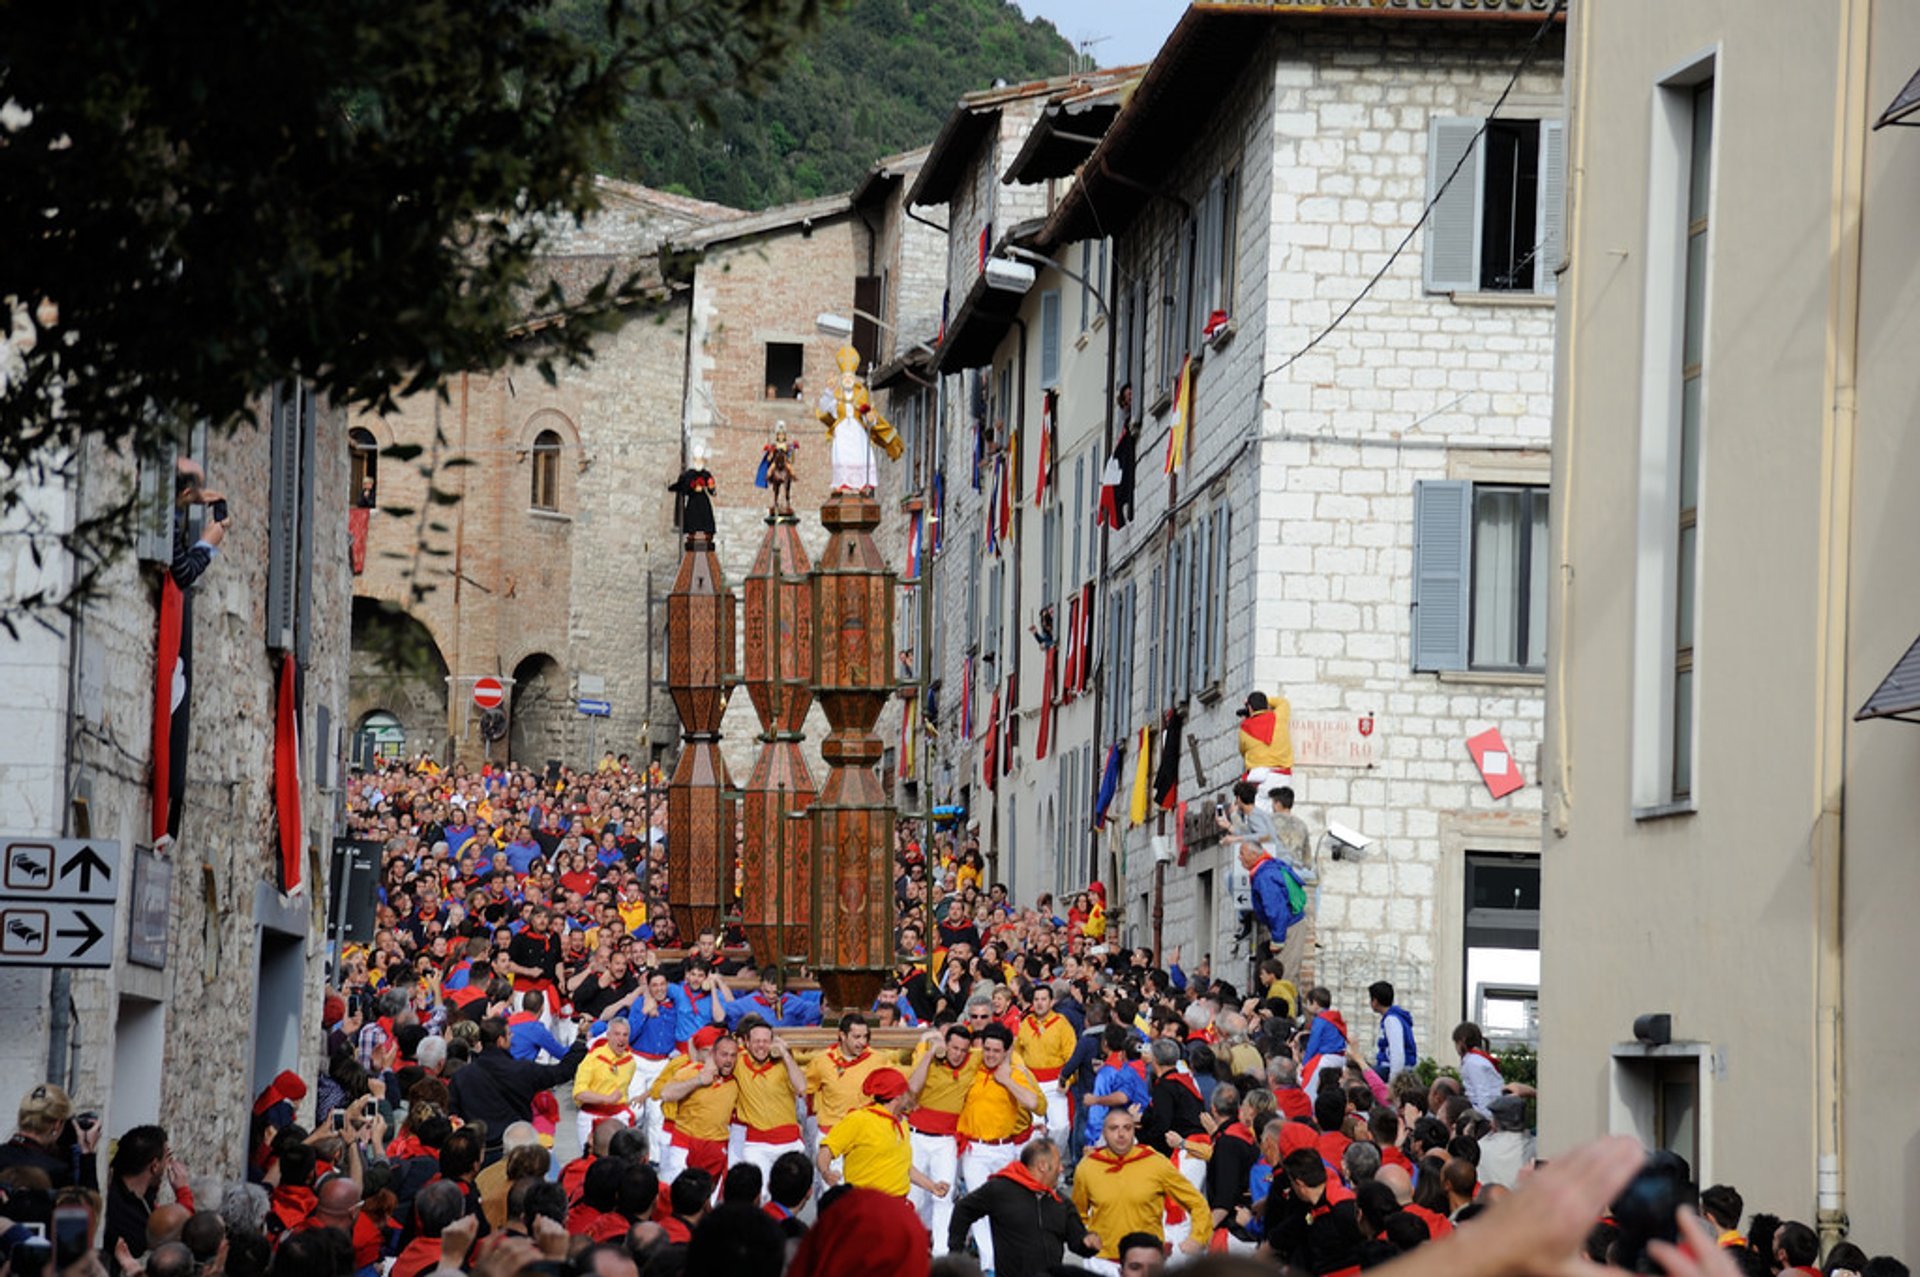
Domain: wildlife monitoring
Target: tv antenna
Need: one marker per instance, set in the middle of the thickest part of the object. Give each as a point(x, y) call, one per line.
point(1085, 51)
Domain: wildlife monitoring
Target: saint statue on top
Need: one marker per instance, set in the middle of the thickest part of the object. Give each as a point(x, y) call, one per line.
point(854, 428)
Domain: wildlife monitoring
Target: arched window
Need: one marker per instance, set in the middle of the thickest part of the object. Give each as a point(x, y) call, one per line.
point(381, 739)
point(364, 450)
point(546, 470)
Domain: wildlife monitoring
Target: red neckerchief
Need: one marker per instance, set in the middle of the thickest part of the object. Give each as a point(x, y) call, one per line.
point(840, 1065)
point(1039, 1024)
point(899, 1125)
point(1017, 1172)
point(761, 1070)
point(1114, 1164)
point(1238, 1131)
point(1187, 1081)
point(521, 1017)
point(1488, 1058)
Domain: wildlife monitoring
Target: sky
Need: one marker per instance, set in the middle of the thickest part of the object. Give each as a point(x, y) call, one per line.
point(1132, 29)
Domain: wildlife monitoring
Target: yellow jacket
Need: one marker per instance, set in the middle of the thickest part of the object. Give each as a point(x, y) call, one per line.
point(601, 1074)
point(1118, 1196)
point(1044, 1048)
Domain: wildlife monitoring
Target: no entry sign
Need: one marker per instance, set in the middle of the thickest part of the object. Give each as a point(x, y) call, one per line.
point(487, 693)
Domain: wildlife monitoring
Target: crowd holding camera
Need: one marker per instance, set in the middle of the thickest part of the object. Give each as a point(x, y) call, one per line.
point(528, 1072)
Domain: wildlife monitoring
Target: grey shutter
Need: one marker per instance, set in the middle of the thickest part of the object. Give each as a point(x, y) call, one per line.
point(1050, 338)
point(1442, 542)
point(303, 571)
point(1141, 308)
point(1183, 318)
point(1452, 256)
point(1552, 218)
point(283, 518)
point(153, 524)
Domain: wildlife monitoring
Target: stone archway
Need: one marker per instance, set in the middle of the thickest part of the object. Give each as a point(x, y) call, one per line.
point(396, 668)
point(541, 712)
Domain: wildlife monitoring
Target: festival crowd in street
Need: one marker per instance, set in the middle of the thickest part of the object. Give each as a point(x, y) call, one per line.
point(533, 1070)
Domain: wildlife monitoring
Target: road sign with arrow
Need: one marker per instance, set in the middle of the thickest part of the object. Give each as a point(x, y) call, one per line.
point(57, 900)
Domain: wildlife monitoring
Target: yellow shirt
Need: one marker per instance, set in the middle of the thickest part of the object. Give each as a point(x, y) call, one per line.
point(834, 1085)
point(602, 1074)
point(992, 1114)
point(766, 1100)
point(1045, 1047)
point(943, 1093)
point(632, 913)
point(1116, 1198)
point(704, 1114)
point(877, 1149)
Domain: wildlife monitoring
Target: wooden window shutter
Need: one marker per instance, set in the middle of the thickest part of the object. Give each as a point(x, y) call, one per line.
point(1442, 546)
point(1452, 256)
point(1552, 219)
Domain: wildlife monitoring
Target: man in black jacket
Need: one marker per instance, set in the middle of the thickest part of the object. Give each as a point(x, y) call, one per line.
point(1312, 1225)
point(497, 1089)
point(1030, 1221)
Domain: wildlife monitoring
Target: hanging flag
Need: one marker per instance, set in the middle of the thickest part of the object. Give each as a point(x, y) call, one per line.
point(1166, 778)
point(1084, 675)
point(966, 699)
point(1109, 783)
point(1009, 491)
point(1067, 689)
point(1182, 412)
point(1116, 485)
point(358, 520)
point(1010, 730)
point(1180, 834)
point(914, 522)
point(172, 708)
point(286, 775)
point(909, 736)
point(939, 510)
point(1142, 769)
point(1047, 692)
point(990, 748)
point(1049, 446)
point(986, 245)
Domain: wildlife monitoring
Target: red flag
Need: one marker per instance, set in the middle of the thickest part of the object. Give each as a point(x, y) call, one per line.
point(1049, 446)
point(1116, 485)
point(357, 521)
point(1046, 704)
point(286, 775)
point(990, 749)
point(173, 680)
point(1067, 689)
point(1084, 674)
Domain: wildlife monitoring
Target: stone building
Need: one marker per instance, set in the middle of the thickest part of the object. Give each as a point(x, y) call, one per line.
point(1354, 528)
point(1731, 762)
point(216, 968)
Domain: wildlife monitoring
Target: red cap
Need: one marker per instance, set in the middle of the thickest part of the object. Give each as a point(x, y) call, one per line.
point(1295, 1136)
point(885, 1084)
point(705, 1038)
point(332, 1010)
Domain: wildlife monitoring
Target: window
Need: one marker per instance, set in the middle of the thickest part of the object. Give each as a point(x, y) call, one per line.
point(1479, 576)
point(1509, 614)
point(1086, 283)
point(546, 470)
point(1155, 603)
point(1074, 574)
point(1227, 242)
point(1050, 562)
point(1201, 572)
point(1176, 649)
point(973, 589)
point(1502, 937)
point(1498, 224)
point(786, 365)
point(1050, 338)
point(990, 643)
point(1216, 628)
point(364, 453)
point(1168, 314)
point(1672, 444)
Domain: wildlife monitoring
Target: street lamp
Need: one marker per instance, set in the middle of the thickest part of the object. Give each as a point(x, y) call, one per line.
point(1042, 260)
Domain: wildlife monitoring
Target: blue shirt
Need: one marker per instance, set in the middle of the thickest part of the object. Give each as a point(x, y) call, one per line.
point(458, 836)
point(529, 1038)
point(797, 1010)
point(1127, 1081)
point(652, 1034)
point(521, 855)
point(692, 1014)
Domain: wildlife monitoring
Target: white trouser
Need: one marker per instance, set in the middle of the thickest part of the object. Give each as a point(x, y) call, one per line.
point(764, 1155)
point(736, 1143)
point(590, 1120)
point(1194, 1171)
point(936, 1157)
point(1058, 1116)
point(977, 1165)
point(673, 1160)
point(652, 1121)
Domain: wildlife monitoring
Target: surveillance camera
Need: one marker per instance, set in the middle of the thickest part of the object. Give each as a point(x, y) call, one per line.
point(1346, 840)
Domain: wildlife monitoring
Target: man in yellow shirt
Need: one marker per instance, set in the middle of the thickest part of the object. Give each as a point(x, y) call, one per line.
point(702, 1091)
point(872, 1142)
point(835, 1076)
point(600, 1084)
point(1044, 1043)
point(995, 1120)
point(771, 1085)
point(1122, 1187)
point(943, 1073)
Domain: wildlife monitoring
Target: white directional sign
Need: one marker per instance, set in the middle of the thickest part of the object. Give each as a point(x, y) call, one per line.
point(56, 933)
point(56, 901)
point(59, 869)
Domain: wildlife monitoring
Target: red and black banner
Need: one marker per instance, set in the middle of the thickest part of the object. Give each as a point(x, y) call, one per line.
point(286, 774)
point(172, 707)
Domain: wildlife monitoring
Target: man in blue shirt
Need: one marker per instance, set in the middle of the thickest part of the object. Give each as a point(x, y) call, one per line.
point(1120, 1083)
point(529, 1037)
point(699, 1000)
point(654, 1022)
point(522, 851)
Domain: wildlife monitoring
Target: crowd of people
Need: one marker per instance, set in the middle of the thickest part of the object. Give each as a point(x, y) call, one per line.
point(531, 1069)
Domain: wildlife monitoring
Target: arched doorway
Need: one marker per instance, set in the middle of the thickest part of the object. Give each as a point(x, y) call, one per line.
point(396, 670)
point(538, 723)
point(380, 739)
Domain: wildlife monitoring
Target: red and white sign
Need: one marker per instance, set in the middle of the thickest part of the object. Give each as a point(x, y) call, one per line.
point(1333, 740)
point(1497, 768)
point(487, 693)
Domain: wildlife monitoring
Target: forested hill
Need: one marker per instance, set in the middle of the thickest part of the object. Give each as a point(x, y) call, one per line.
point(876, 77)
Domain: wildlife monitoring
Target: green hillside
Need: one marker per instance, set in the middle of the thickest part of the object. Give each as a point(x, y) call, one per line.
point(875, 77)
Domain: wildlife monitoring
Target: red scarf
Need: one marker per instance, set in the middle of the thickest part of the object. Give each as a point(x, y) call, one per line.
point(899, 1124)
point(1017, 1172)
point(1114, 1164)
point(1238, 1131)
point(1187, 1081)
point(1488, 1058)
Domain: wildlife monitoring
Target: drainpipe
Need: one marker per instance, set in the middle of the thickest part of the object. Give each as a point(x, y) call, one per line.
point(1838, 427)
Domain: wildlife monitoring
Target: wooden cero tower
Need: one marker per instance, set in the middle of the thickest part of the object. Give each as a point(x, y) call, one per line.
point(777, 861)
point(700, 654)
point(853, 592)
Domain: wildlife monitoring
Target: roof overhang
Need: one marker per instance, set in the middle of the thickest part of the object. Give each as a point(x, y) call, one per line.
point(1898, 696)
point(1210, 48)
point(912, 366)
point(978, 327)
point(887, 174)
point(1905, 103)
point(1066, 133)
